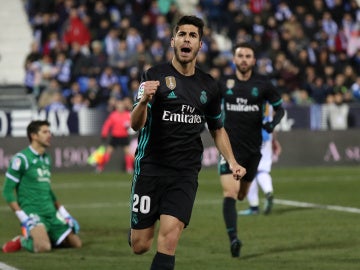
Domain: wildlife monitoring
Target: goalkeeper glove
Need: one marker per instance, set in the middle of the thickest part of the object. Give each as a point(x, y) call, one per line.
point(269, 127)
point(72, 223)
point(27, 222)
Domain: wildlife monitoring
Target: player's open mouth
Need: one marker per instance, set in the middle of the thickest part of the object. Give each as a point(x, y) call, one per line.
point(185, 50)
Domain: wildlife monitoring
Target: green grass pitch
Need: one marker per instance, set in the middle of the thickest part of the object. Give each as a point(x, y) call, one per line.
point(321, 235)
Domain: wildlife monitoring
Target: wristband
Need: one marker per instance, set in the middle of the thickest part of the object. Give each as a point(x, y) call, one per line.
point(21, 215)
point(63, 212)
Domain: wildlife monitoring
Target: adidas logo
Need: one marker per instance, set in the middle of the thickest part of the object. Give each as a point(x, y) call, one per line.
point(229, 92)
point(172, 95)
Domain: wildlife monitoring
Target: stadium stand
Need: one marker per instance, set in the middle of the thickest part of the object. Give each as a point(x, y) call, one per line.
point(302, 45)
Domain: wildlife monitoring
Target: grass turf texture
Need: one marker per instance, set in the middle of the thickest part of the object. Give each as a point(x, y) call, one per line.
point(289, 238)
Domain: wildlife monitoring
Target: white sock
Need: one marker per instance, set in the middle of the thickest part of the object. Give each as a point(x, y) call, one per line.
point(253, 194)
point(264, 180)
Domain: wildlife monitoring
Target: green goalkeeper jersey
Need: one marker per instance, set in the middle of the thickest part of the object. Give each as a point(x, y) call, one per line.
point(30, 175)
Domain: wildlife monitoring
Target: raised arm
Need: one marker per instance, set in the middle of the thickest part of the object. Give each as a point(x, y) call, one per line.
point(139, 114)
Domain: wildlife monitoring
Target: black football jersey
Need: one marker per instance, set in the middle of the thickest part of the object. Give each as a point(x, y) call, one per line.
point(243, 105)
point(170, 142)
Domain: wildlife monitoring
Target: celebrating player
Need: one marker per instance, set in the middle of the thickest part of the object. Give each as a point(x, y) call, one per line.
point(173, 103)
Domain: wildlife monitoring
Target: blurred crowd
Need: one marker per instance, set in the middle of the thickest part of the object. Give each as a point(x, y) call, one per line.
point(91, 53)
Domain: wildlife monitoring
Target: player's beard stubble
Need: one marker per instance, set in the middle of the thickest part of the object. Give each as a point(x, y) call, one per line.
point(244, 68)
point(187, 60)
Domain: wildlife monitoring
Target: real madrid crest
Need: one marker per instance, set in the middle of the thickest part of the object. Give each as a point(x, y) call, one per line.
point(230, 83)
point(203, 97)
point(255, 92)
point(170, 82)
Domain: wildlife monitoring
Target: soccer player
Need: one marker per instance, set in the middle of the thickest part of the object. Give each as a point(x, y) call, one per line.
point(244, 95)
point(45, 222)
point(270, 150)
point(173, 103)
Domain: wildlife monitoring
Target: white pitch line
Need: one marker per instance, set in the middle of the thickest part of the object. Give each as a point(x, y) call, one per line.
point(319, 206)
point(4, 266)
point(212, 202)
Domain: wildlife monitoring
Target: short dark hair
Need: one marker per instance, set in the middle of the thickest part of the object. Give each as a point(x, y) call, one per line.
point(193, 20)
point(35, 126)
point(244, 45)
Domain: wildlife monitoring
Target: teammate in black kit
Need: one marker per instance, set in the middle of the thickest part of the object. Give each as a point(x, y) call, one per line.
point(244, 96)
point(173, 103)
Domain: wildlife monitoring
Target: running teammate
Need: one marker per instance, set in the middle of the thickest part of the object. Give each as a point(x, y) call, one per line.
point(45, 222)
point(244, 95)
point(174, 102)
point(270, 151)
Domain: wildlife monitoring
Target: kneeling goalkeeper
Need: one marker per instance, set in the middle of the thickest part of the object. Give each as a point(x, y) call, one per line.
point(27, 189)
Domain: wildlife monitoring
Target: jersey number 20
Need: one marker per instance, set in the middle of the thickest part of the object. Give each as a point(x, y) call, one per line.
point(141, 204)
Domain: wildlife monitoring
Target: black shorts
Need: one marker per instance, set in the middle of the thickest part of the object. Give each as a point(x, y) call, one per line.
point(119, 141)
point(152, 196)
point(249, 162)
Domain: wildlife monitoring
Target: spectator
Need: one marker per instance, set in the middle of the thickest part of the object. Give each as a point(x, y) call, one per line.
point(52, 44)
point(133, 38)
point(337, 112)
point(93, 93)
point(63, 66)
point(108, 78)
point(140, 58)
point(340, 87)
point(57, 103)
point(355, 88)
point(162, 29)
point(318, 92)
point(283, 12)
point(98, 59)
point(68, 93)
point(78, 103)
point(102, 31)
point(98, 13)
point(133, 88)
point(146, 29)
point(310, 25)
point(119, 60)
point(79, 61)
point(287, 71)
point(33, 77)
point(117, 93)
point(111, 42)
point(318, 8)
point(76, 31)
point(157, 52)
point(46, 97)
point(44, 26)
point(47, 70)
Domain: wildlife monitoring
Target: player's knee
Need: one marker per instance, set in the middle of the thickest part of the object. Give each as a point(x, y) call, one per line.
point(77, 244)
point(140, 246)
point(42, 247)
